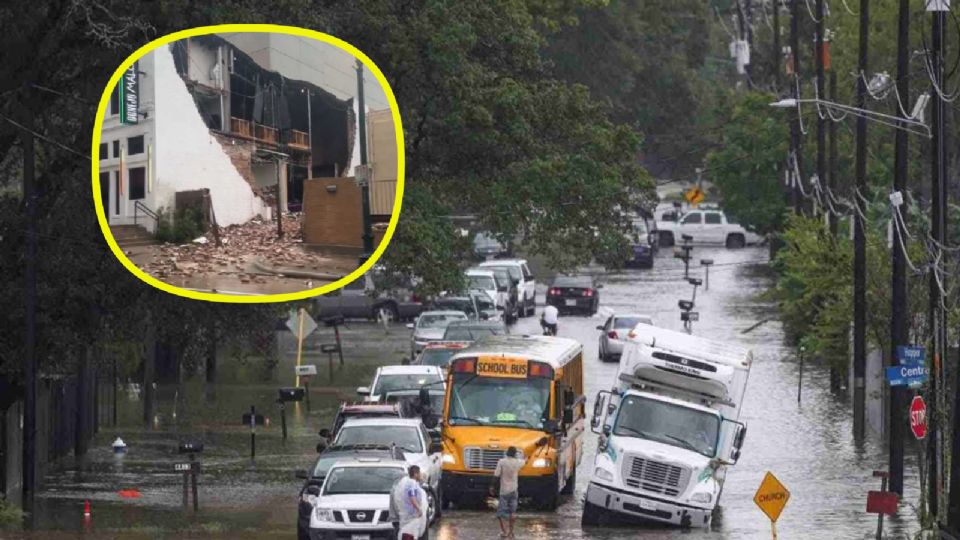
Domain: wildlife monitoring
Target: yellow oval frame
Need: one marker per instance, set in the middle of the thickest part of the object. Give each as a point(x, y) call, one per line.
point(261, 28)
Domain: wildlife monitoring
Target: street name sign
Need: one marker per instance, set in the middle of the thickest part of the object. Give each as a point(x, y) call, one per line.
point(910, 355)
point(771, 496)
point(918, 417)
point(306, 370)
point(907, 375)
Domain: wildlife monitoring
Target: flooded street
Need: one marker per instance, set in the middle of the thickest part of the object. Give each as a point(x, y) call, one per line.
point(809, 446)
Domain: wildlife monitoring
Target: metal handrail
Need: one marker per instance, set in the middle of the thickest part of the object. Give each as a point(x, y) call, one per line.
point(139, 206)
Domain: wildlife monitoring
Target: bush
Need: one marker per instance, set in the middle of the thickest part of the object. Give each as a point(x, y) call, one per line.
point(181, 227)
point(10, 515)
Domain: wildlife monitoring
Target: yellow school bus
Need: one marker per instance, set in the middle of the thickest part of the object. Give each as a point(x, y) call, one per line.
point(522, 391)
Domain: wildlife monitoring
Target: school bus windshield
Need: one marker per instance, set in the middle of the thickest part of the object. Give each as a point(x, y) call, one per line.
point(478, 400)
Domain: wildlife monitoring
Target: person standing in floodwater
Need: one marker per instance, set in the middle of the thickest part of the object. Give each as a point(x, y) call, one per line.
point(508, 469)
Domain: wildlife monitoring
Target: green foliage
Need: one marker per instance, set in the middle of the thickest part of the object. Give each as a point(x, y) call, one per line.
point(747, 166)
point(10, 516)
point(183, 226)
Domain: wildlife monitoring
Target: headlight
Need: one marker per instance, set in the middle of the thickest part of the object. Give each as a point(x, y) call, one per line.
point(448, 458)
point(603, 474)
point(324, 514)
point(541, 463)
point(701, 497)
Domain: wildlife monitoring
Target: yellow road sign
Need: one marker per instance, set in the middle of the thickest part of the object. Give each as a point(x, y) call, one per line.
point(771, 497)
point(694, 196)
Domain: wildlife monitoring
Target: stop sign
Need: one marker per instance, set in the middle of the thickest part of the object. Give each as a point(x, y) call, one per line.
point(918, 417)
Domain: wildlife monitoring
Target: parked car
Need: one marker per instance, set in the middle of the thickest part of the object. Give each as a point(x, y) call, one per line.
point(508, 292)
point(486, 246)
point(430, 326)
point(706, 226)
point(470, 331)
point(614, 333)
point(438, 353)
point(361, 299)
point(354, 500)
point(314, 476)
point(389, 378)
point(643, 244)
point(574, 294)
point(476, 304)
point(523, 278)
point(412, 437)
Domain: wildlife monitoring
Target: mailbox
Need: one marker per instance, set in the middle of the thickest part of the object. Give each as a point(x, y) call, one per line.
point(291, 394)
point(191, 447)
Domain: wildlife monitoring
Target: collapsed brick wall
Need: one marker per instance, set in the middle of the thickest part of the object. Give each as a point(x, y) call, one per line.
point(240, 152)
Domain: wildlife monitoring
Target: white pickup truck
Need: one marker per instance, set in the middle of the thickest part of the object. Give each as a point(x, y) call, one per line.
point(705, 226)
point(668, 429)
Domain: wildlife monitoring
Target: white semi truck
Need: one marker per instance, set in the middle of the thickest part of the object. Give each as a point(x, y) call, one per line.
point(668, 429)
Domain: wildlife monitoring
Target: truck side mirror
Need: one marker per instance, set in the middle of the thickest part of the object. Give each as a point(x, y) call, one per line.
point(430, 420)
point(741, 435)
point(550, 426)
point(313, 490)
point(325, 433)
point(435, 447)
point(568, 416)
point(606, 430)
point(424, 397)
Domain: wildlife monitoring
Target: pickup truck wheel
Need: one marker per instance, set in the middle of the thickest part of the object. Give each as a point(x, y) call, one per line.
point(735, 241)
point(432, 512)
point(551, 500)
point(666, 239)
point(591, 514)
point(438, 506)
point(571, 483)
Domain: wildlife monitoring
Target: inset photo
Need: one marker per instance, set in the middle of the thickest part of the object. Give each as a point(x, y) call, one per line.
point(249, 166)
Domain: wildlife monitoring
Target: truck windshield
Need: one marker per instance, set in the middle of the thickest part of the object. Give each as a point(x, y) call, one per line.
point(504, 401)
point(365, 480)
point(484, 283)
point(668, 423)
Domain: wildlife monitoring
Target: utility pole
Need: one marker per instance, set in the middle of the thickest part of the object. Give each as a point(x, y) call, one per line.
point(795, 125)
point(365, 188)
point(937, 222)
point(859, 240)
point(821, 122)
point(748, 8)
point(777, 56)
point(898, 295)
point(30, 334)
point(832, 160)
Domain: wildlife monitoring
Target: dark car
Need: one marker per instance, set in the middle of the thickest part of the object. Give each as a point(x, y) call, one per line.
point(477, 305)
point(473, 330)
point(315, 475)
point(369, 297)
point(643, 245)
point(574, 294)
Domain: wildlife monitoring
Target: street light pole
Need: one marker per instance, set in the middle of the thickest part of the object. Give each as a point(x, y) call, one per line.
point(821, 122)
point(365, 188)
point(795, 125)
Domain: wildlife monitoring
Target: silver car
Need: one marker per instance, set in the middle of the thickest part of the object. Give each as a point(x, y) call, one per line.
point(430, 326)
point(614, 333)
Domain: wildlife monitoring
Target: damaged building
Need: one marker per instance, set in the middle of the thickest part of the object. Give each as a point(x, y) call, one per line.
point(250, 117)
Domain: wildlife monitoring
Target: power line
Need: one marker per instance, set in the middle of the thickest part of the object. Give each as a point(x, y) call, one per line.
point(44, 137)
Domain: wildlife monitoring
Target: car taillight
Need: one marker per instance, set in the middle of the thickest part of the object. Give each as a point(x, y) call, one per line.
point(612, 334)
point(539, 369)
point(588, 292)
point(554, 292)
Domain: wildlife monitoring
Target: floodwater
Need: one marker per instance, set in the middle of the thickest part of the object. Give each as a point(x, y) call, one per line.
point(808, 446)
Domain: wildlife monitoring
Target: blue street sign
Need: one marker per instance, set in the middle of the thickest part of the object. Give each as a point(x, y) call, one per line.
point(907, 375)
point(911, 355)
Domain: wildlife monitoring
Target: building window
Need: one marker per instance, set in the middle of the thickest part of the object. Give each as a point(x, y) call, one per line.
point(135, 145)
point(116, 193)
point(105, 192)
point(116, 149)
point(115, 101)
point(104, 149)
point(138, 183)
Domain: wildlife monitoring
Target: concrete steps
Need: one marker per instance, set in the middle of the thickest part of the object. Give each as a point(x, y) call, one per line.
point(132, 235)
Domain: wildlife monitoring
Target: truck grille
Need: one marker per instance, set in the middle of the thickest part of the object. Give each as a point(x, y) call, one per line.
point(482, 458)
point(655, 476)
point(361, 516)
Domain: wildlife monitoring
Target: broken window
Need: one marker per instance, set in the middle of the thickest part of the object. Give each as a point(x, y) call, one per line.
point(138, 183)
point(104, 151)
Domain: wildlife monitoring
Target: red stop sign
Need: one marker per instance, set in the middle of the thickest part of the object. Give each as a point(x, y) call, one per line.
point(918, 417)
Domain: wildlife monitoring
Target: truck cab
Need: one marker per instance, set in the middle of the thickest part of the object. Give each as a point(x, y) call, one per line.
point(668, 429)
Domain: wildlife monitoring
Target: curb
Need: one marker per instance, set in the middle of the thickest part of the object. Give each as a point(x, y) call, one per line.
point(266, 268)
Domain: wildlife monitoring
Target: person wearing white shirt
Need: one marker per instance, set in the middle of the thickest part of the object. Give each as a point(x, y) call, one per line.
point(549, 319)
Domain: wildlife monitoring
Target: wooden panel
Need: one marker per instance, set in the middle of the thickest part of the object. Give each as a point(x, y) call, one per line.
point(332, 218)
point(383, 158)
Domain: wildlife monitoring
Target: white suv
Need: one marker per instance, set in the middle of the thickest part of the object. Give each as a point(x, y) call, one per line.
point(393, 378)
point(418, 445)
point(523, 277)
point(354, 501)
point(706, 226)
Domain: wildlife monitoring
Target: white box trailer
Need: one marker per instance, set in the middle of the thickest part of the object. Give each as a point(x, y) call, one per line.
point(668, 428)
